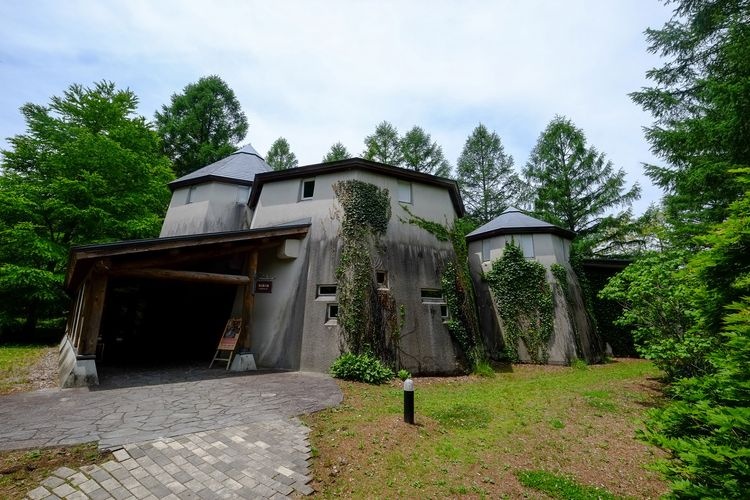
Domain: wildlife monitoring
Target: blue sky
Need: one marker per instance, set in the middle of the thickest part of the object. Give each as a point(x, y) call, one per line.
point(321, 72)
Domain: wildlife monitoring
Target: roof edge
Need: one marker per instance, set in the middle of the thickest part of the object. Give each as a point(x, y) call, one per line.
point(523, 230)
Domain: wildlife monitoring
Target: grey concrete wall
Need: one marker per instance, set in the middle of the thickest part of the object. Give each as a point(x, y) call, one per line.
point(213, 207)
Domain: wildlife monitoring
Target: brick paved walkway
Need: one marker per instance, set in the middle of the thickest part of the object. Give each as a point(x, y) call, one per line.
point(183, 436)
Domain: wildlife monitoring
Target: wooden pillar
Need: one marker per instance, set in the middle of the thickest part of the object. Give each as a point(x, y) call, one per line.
point(93, 308)
point(248, 300)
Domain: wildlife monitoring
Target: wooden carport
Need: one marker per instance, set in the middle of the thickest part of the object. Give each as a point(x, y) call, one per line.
point(91, 267)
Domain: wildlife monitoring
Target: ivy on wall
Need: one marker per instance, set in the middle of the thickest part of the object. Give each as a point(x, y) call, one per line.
point(368, 317)
point(525, 303)
point(457, 286)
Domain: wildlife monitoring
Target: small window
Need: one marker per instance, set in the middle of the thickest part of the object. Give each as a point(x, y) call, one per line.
point(485, 250)
point(432, 296)
point(444, 311)
point(526, 242)
point(404, 192)
point(191, 194)
point(243, 193)
point(326, 290)
point(381, 278)
point(307, 189)
point(332, 312)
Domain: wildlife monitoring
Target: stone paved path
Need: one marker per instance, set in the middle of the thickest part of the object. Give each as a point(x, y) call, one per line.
point(182, 436)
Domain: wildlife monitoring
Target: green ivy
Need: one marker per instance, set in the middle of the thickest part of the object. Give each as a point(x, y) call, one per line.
point(368, 317)
point(525, 303)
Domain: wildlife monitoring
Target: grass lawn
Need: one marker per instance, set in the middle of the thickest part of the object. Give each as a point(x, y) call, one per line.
point(16, 362)
point(528, 430)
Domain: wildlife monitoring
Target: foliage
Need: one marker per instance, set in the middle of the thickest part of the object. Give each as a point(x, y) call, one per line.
point(88, 170)
point(201, 125)
point(403, 374)
point(484, 369)
point(366, 212)
point(485, 176)
point(699, 101)
point(337, 152)
point(422, 155)
point(280, 156)
point(525, 304)
point(557, 486)
point(573, 186)
point(706, 428)
point(361, 368)
point(384, 145)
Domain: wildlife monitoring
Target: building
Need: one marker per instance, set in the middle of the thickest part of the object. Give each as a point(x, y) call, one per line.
point(242, 241)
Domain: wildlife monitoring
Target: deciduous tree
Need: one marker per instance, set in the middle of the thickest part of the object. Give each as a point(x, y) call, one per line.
point(87, 170)
point(201, 125)
point(486, 177)
point(337, 152)
point(420, 153)
point(280, 156)
point(384, 145)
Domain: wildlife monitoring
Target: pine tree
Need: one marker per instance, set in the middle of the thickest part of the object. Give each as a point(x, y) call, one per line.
point(280, 156)
point(421, 154)
point(384, 145)
point(337, 152)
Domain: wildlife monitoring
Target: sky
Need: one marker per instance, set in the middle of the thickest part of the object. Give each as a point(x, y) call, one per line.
point(321, 72)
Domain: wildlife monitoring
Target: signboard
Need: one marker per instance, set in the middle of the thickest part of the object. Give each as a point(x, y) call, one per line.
point(231, 335)
point(263, 286)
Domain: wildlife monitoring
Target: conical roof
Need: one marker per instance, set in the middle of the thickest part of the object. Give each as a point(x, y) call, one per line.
point(514, 221)
point(240, 168)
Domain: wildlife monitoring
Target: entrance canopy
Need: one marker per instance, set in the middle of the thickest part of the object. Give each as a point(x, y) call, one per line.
point(174, 258)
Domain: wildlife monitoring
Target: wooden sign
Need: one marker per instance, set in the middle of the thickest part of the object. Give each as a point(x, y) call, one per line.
point(231, 335)
point(263, 286)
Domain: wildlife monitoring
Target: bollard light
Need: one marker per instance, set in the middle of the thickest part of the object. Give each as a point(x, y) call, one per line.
point(409, 401)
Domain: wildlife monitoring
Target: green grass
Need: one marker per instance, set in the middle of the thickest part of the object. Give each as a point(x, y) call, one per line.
point(561, 487)
point(473, 432)
point(15, 361)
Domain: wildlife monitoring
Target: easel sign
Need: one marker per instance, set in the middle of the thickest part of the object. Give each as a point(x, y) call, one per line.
point(228, 341)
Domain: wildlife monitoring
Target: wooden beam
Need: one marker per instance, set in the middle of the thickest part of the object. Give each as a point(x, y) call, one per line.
point(248, 301)
point(193, 276)
point(93, 309)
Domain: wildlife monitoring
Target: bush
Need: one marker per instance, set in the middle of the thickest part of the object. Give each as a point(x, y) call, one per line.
point(484, 369)
point(403, 374)
point(361, 368)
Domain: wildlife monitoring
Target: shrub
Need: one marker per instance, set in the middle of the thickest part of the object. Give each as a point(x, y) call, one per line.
point(403, 374)
point(361, 368)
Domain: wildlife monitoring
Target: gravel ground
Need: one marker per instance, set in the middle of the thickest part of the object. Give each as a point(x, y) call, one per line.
point(44, 375)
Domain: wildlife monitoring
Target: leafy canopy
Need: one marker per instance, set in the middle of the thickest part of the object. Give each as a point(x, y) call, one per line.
point(486, 177)
point(87, 170)
point(280, 156)
point(203, 124)
point(384, 145)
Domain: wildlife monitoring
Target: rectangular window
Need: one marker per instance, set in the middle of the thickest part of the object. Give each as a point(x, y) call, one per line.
point(326, 290)
point(307, 190)
point(485, 250)
point(432, 296)
point(191, 194)
point(243, 193)
point(332, 312)
point(444, 311)
point(526, 242)
point(381, 278)
point(404, 192)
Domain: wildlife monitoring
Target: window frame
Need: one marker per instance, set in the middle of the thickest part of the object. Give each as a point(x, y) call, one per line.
point(408, 184)
point(302, 184)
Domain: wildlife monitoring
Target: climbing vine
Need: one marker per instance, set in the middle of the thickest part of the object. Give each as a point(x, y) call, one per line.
point(525, 303)
point(368, 317)
point(457, 286)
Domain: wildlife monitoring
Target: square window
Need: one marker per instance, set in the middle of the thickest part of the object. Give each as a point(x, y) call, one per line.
point(432, 296)
point(307, 190)
point(326, 290)
point(243, 193)
point(404, 192)
point(381, 278)
point(332, 312)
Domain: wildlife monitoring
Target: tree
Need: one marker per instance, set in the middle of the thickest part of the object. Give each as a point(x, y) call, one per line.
point(202, 125)
point(280, 156)
point(422, 155)
point(573, 185)
point(384, 145)
point(337, 152)
point(486, 177)
point(87, 170)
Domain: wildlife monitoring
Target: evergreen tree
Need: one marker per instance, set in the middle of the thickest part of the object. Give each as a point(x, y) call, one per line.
point(337, 152)
point(573, 185)
point(280, 156)
point(202, 125)
point(87, 170)
point(384, 145)
point(486, 177)
point(422, 155)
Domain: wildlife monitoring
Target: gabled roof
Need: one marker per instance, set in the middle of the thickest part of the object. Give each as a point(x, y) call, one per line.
point(514, 221)
point(238, 168)
point(358, 164)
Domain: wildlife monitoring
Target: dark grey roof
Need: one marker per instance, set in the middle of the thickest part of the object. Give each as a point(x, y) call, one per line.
point(238, 168)
point(514, 221)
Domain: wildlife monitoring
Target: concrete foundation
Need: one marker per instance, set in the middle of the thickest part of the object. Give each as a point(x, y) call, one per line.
point(243, 363)
point(76, 371)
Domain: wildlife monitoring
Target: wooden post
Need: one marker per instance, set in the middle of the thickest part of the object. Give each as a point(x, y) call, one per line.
point(248, 300)
point(92, 312)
